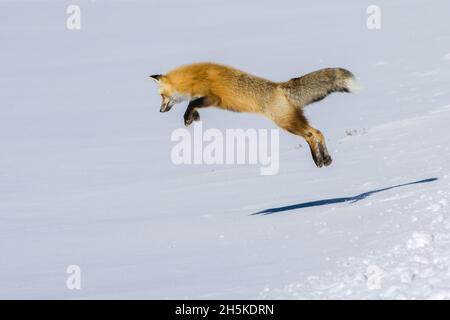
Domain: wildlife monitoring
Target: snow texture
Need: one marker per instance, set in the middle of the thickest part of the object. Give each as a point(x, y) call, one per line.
point(86, 177)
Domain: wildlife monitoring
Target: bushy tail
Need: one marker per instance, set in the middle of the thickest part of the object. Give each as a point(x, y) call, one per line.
point(317, 85)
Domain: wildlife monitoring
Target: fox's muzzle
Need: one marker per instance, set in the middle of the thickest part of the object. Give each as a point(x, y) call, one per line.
point(166, 104)
point(165, 107)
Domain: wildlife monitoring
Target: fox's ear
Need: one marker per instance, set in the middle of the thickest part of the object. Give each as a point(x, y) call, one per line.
point(156, 77)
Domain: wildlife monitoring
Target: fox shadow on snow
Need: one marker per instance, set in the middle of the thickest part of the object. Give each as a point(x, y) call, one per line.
point(337, 200)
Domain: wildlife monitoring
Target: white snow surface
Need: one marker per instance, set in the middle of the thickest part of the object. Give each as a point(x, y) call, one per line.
point(86, 177)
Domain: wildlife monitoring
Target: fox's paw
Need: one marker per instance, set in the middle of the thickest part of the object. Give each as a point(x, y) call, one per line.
point(319, 162)
point(327, 160)
point(318, 159)
point(320, 156)
point(196, 115)
point(188, 119)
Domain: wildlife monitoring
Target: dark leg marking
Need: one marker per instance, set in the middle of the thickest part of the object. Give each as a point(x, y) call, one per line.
point(191, 113)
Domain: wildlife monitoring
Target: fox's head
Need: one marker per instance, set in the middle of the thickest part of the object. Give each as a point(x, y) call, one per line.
point(167, 91)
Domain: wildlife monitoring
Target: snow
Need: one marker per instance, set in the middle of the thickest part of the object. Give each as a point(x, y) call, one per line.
point(86, 177)
point(420, 240)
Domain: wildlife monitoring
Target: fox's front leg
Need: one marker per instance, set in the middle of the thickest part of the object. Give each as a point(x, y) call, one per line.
point(192, 114)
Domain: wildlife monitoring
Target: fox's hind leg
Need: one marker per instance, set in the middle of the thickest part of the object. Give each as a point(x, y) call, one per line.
point(192, 114)
point(297, 124)
point(319, 141)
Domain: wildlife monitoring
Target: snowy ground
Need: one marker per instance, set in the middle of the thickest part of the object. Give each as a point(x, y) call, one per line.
point(86, 177)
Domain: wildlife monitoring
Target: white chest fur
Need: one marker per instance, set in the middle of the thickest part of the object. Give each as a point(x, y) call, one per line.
point(180, 97)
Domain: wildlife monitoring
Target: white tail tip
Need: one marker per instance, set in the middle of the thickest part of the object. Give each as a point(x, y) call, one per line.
point(352, 84)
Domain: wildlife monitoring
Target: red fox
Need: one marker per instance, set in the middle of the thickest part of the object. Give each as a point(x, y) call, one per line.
point(210, 84)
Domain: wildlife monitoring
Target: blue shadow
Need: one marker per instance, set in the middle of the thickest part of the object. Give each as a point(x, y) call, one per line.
point(325, 202)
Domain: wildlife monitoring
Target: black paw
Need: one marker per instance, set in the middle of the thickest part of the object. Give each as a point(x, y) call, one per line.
point(319, 163)
point(318, 159)
point(327, 160)
point(196, 115)
point(188, 121)
point(189, 118)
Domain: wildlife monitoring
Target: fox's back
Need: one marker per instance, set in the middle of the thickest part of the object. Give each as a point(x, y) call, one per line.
point(236, 89)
